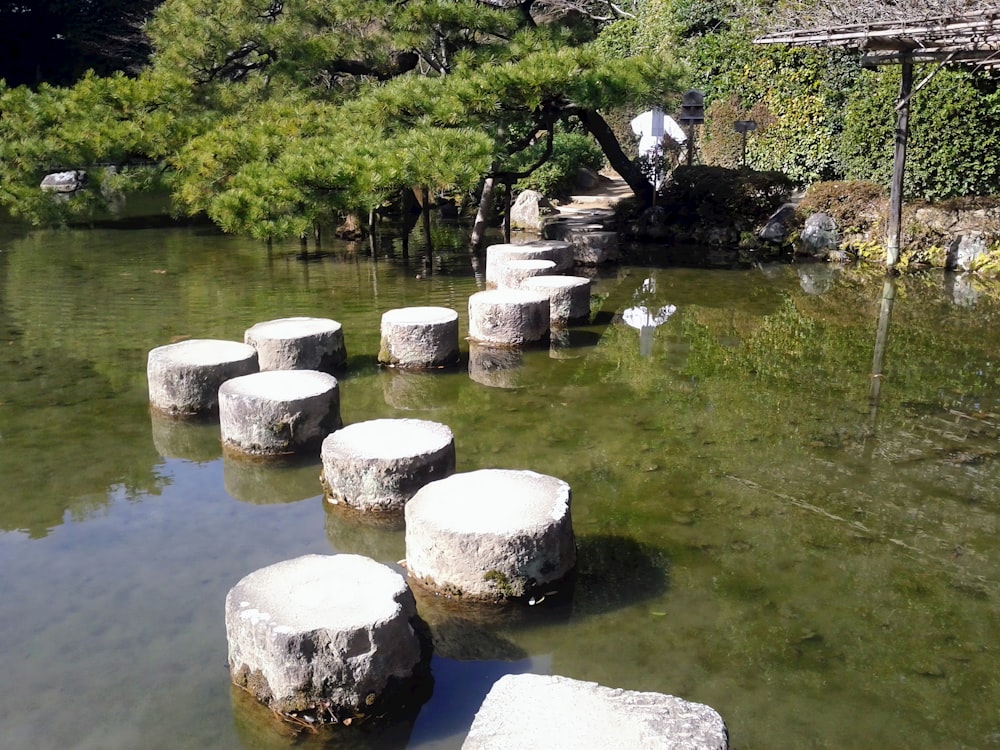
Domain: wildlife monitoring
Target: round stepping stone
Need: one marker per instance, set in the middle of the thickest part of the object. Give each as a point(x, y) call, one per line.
point(569, 297)
point(324, 637)
point(532, 712)
point(561, 253)
point(508, 317)
point(491, 535)
point(419, 337)
point(184, 378)
point(278, 412)
point(511, 273)
point(298, 344)
point(377, 466)
point(592, 248)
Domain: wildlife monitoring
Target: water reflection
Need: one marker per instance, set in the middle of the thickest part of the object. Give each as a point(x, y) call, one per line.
point(647, 316)
point(495, 368)
point(192, 440)
point(832, 597)
point(273, 481)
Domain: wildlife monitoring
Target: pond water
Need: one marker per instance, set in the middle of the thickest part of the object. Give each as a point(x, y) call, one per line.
point(763, 524)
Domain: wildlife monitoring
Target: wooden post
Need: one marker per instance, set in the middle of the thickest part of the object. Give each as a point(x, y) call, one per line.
point(899, 164)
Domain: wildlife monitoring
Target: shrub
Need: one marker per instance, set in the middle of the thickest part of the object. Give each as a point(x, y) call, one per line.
point(720, 196)
point(556, 177)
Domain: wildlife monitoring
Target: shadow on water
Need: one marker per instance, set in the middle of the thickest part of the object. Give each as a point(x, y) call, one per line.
point(615, 572)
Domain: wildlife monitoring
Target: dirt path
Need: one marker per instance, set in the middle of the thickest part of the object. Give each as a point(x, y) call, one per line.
point(611, 189)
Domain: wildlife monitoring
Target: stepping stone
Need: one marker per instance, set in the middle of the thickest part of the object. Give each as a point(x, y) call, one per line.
point(419, 337)
point(593, 248)
point(490, 535)
point(511, 273)
point(278, 412)
point(536, 712)
point(325, 638)
point(298, 344)
point(184, 378)
point(561, 253)
point(377, 466)
point(569, 297)
point(508, 317)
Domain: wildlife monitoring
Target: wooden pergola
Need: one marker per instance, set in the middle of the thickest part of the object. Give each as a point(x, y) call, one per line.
point(968, 39)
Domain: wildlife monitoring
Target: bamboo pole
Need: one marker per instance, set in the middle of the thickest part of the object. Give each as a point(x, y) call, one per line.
point(899, 165)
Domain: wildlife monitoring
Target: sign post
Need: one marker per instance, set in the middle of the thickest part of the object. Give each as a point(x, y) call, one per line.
point(743, 127)
point(692, 113)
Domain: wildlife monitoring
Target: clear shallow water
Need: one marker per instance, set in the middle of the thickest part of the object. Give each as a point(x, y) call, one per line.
point(755, 532)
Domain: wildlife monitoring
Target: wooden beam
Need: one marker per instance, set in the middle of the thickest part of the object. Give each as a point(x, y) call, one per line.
point(899, 165)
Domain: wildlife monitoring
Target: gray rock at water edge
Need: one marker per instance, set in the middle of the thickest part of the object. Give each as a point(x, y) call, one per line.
point(529, 211)
point(536, 712)
point(779, 225)
point(819, 235)
point(966, 251)
point(328, 637)
point(64, 182)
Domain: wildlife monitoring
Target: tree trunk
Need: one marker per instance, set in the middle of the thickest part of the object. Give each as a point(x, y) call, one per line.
point(425, 215)
point(624, 166)
point(482, 215)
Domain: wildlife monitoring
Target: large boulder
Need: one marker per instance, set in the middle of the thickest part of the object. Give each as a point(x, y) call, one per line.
point(779, 225)
point(64, 182)
point(530, 210)
point(966, 250)
point(819, 236)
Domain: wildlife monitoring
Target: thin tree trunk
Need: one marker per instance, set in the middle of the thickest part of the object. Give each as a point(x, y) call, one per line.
point(425, 215)
point(629, 170)
point(482, 214)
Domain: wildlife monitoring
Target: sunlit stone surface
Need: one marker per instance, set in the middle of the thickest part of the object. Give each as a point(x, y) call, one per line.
point(378, 465)
point(184, 378)
point(277, 412)
point(492, 534)
point(419, 337)
point(569, 297)
point(325, 636)
point(508, 317)
point(561, 253)
point(592, 248)
point(298, 344)
point(536, 712)
point(511, 273)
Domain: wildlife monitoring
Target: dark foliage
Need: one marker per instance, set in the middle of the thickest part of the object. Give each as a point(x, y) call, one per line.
point(719, 196)
point(57, 41)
